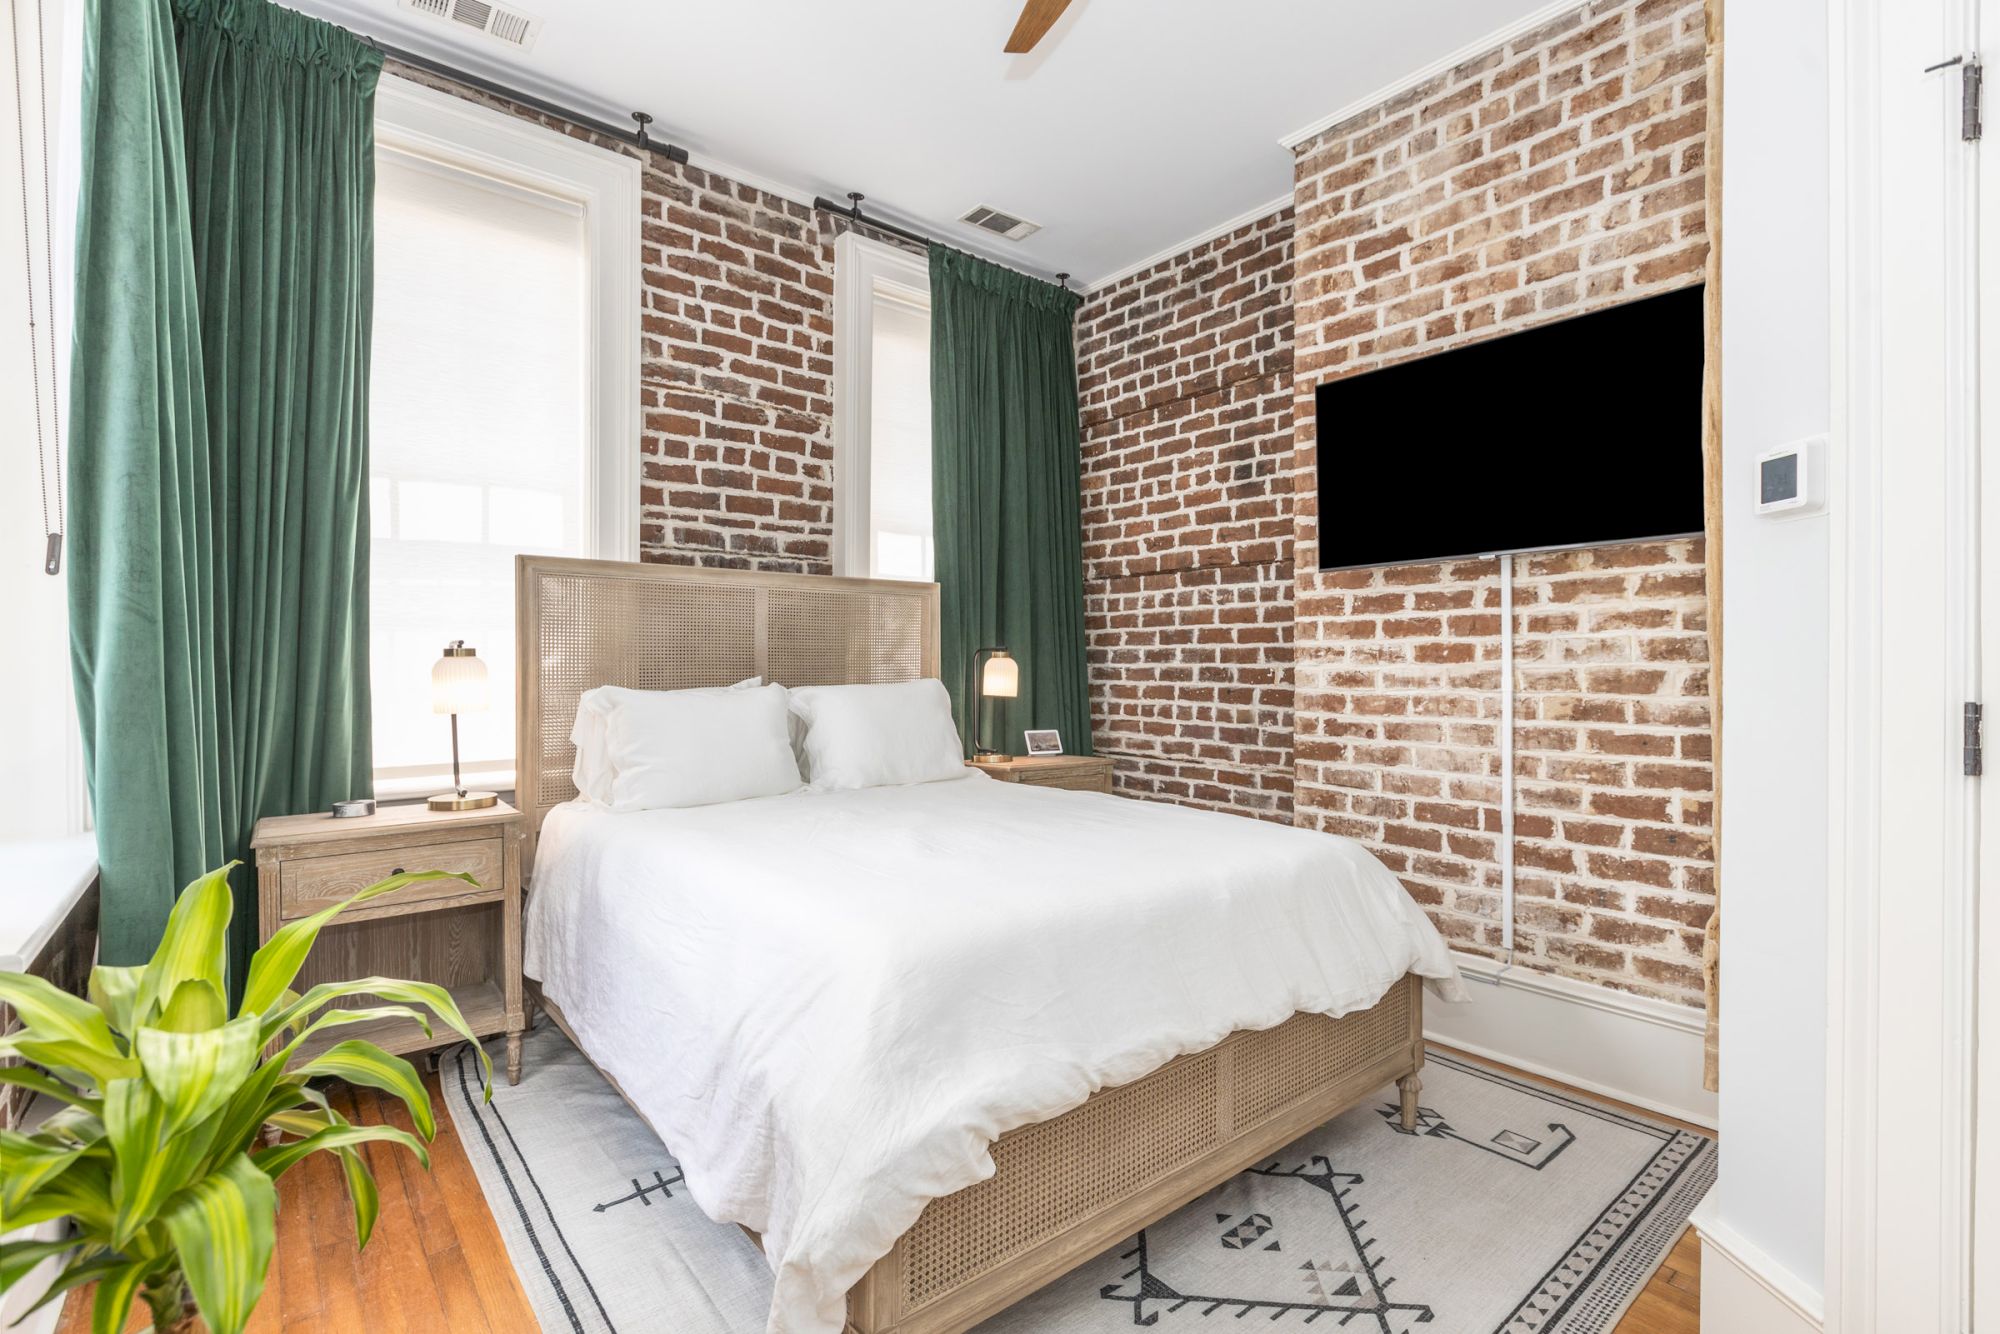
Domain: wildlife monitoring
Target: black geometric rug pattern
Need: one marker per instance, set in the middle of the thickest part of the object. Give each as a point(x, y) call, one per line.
point(1510, 1208)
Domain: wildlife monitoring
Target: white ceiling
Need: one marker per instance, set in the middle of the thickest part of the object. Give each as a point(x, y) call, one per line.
point(1137, 124)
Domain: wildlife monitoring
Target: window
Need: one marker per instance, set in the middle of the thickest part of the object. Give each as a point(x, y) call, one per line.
point(882, 412)
point(503, 401)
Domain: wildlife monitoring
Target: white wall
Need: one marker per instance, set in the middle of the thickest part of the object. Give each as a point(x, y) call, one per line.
point(1773, 872)
point(40, 766)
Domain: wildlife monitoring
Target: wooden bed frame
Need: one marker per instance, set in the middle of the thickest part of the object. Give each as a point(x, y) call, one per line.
point(1065, 1189)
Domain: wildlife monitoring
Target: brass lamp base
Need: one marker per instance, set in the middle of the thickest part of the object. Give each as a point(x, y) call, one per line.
point(471, 801)
point(992, 757)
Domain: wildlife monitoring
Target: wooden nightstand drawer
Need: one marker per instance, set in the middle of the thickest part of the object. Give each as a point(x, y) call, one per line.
point(1076, 773)
point(1075, 779)
point(312, 883)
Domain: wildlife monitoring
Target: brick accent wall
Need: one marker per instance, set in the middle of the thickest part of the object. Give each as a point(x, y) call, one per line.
point(1559, 174)
point(1185, 372)
point(736, 371)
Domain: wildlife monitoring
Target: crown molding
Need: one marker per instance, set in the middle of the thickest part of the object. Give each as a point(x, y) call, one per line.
point(1256, 214)
point(1479, 46)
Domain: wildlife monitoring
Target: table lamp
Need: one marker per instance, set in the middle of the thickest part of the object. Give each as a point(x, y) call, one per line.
point(458, 685)
point(1001, 679)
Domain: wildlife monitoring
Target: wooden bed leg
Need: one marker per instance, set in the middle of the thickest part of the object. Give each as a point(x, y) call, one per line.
point(1410, 1086)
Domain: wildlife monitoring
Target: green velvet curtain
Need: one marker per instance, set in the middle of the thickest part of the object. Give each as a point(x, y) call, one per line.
point(1006, 494)
point(219, 407)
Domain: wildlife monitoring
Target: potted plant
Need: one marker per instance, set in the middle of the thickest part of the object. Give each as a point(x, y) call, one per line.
point(176, 1122)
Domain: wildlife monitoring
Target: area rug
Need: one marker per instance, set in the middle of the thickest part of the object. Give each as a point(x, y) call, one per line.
point(1511, 1209)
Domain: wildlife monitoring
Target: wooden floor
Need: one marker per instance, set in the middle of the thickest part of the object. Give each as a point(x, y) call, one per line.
point(436, 1261)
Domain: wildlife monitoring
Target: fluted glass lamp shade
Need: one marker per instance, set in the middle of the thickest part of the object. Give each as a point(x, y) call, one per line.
point(1002, 677)
point(458, 685)
point(458, 681)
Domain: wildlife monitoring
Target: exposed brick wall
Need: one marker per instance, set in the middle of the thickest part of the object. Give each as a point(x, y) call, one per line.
point(1186, 381)
point(736, 376)
point(736, 370)
point(1560, 174)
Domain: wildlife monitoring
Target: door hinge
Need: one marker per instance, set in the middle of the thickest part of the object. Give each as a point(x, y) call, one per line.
point(1971, 77)
point(1974, 750)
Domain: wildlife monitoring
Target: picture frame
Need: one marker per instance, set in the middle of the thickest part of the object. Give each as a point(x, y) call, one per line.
point(1043, 741)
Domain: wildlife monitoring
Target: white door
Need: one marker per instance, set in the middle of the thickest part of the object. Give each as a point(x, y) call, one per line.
point(1907, 517)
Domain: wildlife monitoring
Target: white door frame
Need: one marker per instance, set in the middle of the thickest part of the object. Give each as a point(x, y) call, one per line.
point(1904, 202)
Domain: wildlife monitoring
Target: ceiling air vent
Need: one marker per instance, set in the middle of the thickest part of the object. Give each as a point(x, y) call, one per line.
point(1000, 224)
point(500, 22)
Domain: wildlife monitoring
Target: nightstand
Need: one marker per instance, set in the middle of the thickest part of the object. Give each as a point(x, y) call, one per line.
point(1079, 773)
point(464, 938)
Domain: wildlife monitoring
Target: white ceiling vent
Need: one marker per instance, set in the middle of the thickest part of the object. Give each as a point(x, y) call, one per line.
point(990, 219)
point(502, 23)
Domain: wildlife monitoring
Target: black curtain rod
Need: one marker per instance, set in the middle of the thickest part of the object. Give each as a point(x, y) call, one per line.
point(636, 136)
point(852, 212)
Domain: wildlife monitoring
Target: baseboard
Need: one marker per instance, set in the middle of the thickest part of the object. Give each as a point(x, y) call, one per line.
point(1745, 1291)
point(1639, 1050)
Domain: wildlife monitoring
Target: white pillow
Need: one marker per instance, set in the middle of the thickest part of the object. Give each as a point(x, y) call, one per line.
point(591, 770)
point(880, 735)
point(699, 747)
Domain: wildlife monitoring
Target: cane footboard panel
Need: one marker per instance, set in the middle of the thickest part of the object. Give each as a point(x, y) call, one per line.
point(1065, 1189)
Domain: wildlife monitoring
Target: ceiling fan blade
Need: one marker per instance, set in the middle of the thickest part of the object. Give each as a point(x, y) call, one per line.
point(1037, 17)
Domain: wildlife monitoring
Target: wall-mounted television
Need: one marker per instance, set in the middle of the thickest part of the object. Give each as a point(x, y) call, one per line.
point(1581, 432)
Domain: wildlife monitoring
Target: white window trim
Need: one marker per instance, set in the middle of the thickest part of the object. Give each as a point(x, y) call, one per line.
point(435, 125)
point(862, 270)
point(429, 124)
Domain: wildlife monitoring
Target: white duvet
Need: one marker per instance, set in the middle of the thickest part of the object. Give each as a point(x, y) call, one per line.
point(830, 1004)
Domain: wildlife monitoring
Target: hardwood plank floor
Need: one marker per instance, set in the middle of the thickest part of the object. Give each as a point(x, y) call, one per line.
point(436, 1261)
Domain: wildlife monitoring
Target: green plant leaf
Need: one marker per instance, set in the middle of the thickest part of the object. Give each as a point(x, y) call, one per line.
point(195, 1006)
point(242, 1117)
point(148, 1163)
point(17, 1258)
point(194, 946)
point(366, 1064)
point(275, 1161)
point(88, 1064)
point(195, 1073)
point(361, 1191)
point(74, 1125)
point(82, 1192)
point(432, 997)
point(335, 1018)
point(115, 1291)
point(52, 1015)
point(29, 1078)
point(224, 1228)
point(27, 1162)
point(90, 1265)
point(113, 990)
point(305, 1123)
point(277, 963)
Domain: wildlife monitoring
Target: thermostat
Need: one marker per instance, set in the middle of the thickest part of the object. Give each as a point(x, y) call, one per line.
point(1789, 478)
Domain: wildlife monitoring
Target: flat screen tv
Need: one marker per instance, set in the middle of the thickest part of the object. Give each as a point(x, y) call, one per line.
point(1581, 432)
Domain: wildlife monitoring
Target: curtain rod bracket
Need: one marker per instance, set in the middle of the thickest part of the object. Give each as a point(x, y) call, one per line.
point(479, 83)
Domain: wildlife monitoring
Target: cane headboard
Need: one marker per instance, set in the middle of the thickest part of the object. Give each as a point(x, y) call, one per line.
point(584, 623)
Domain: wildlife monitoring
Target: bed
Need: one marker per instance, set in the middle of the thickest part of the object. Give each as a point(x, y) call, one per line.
point(782, 986)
